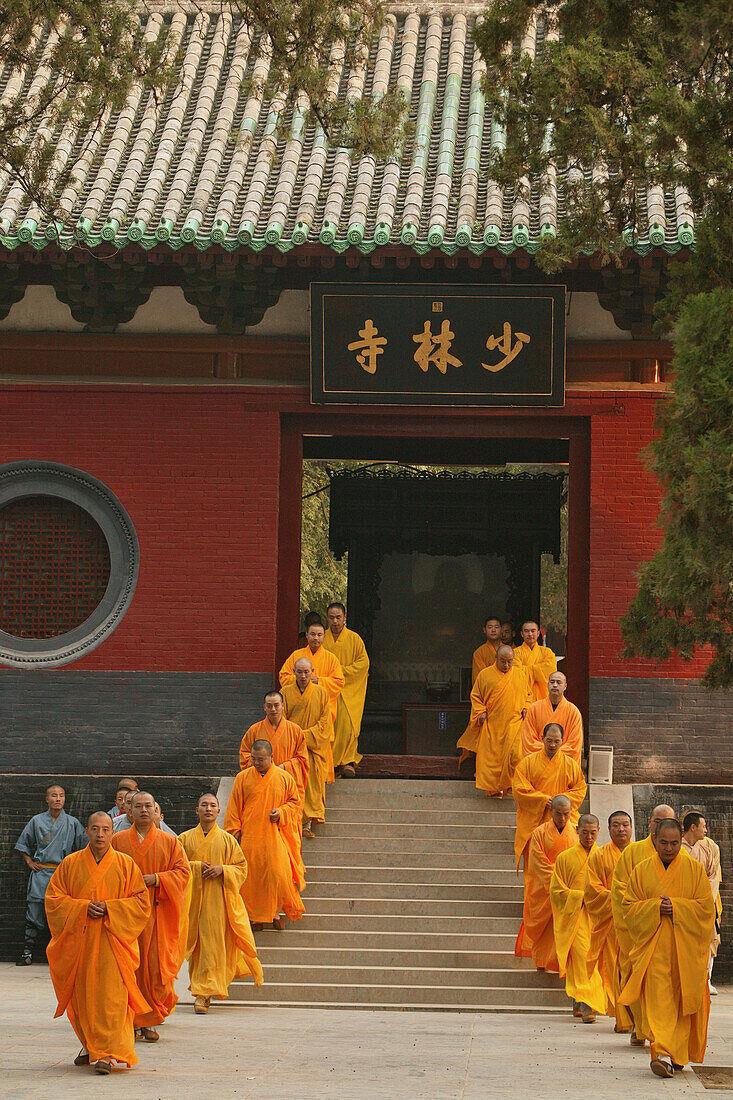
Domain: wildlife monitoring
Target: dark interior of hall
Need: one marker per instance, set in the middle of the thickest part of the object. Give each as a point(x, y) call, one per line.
point(437, 534)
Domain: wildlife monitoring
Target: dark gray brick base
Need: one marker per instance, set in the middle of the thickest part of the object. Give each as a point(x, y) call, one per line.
point(716, 804)
point(120, 723)
point(663, 731)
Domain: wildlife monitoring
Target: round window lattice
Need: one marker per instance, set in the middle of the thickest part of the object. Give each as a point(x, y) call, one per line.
point(68, 563)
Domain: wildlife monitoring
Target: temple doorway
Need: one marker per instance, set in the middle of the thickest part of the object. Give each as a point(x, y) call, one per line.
point(422, 552)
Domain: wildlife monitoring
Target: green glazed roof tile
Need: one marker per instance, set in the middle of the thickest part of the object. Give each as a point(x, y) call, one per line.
point(209, 166)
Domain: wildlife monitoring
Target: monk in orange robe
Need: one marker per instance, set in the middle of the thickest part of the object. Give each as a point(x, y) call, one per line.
point(308, 706)
point(538, 660)
point(327, 669)
point(162, 942)
point(485, 655)
point(220, 944)
point(583, 982)
point(537, 779)
point(97, 905)
point(603, 951)
point(289, 750)
point(555, 708)
point(670, 914)
point(262, 814)
point(536, 938)
point(349, 649)
point(499, 699)
point(627, 861)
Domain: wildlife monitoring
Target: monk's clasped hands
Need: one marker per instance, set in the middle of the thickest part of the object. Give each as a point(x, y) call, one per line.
point(96, 909)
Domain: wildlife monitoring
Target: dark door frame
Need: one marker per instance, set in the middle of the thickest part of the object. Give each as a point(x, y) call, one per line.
point(447, 424)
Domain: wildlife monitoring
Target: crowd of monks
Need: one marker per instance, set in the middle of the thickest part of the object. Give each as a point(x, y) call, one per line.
point(126, 900)
point(631, 927)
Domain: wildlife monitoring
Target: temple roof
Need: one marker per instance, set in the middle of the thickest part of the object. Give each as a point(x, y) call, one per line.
point(209, 167)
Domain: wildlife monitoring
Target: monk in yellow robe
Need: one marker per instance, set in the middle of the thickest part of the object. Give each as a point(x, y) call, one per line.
point(327, 669)
point(698, 845)
point(499, 699)
point(571, 924)
point(97, 905)
point(289, 750)
point(485, 655)
point(555, 708)
point(538, 660)
point(220, 946)
point(262, 814)
point(670, 913)
point(162, 942)
point(537, 779)
point(308, 706)
point(536, 938)
point(628, 860)
point(350, 651)
point(603, 951)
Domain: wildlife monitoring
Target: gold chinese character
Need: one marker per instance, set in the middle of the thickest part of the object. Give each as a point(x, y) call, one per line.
point(504, 345)
point(369, 346)
point(435, 349)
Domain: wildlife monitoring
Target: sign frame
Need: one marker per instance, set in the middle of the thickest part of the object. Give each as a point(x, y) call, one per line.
point(327, 298)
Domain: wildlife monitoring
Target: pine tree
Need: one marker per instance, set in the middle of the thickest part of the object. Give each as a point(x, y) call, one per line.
point(622, 95)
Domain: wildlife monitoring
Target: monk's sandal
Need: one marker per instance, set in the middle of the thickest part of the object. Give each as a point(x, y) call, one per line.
point(662, 1067)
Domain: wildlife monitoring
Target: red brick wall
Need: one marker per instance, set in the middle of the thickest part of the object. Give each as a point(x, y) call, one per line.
point(624, 531)
point(198, 475)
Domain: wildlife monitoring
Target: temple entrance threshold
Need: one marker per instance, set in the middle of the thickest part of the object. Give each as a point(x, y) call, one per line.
point(423, 550)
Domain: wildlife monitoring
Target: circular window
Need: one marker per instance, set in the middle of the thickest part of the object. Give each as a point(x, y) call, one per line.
point(68, 563)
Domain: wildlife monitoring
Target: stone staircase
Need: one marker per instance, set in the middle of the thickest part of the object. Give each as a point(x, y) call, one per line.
point(412, 903)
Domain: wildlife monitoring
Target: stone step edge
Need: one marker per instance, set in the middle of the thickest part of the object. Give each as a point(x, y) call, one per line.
point(402, 867)
point(356, 1006)
point(308, 967)
point(370, 986)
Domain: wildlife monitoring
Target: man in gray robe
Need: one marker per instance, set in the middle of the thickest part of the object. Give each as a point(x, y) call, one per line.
point(46, 840)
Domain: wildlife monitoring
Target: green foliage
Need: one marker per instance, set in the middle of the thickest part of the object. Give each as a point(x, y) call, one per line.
point(621, 94)
point(93, 53)
point(322, 577)
point(685, 597)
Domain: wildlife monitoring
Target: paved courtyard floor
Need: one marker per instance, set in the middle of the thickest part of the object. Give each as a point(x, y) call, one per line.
point(251, 1053)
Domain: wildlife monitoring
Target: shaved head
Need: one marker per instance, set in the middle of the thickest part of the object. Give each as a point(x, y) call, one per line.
point(97, 813)
point(302, 662)
point(588, 819)
point(561, 809)
point(663, 812)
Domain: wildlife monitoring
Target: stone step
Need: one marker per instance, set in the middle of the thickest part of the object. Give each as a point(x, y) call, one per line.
point(352, 922)
point(436, 996)
point(414, 788)
point(472, 799)
point(433, 833)
point(530, 1009)
point(499, 956)
point(428, 857)
point(501, 895)
point(345, 811)
point(483, 850)
point(459, 909)
point(340, 871)
point(413, 977)
point(369, 939)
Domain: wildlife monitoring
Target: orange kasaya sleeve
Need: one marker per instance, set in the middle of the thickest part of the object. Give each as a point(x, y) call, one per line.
point(172, 899)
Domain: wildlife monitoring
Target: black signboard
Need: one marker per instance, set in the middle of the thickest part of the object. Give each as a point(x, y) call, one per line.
point(410, 344)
